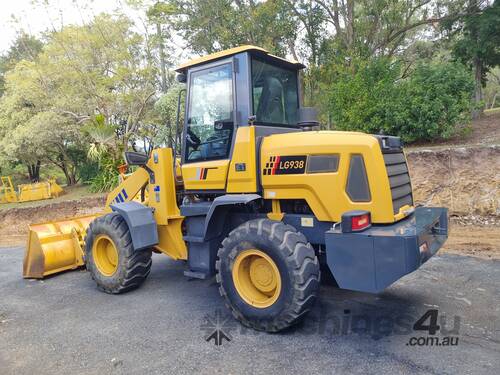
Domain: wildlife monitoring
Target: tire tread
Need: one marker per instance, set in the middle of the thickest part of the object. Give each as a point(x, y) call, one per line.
point(137, 264)
point(300, 258)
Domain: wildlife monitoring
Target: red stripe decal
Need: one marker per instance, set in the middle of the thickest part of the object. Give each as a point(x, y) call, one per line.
point(275, 166)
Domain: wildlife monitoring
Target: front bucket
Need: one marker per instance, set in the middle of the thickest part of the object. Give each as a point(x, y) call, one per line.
point(55, 247)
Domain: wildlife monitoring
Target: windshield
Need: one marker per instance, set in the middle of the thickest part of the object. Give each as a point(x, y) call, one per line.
point(274, 93)
point(209, 121)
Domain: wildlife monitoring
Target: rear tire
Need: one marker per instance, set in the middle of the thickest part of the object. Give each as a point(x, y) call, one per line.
point(271, 246)
point(110, 256)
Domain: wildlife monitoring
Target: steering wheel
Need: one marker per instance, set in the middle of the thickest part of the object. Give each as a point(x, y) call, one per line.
point(192, 139)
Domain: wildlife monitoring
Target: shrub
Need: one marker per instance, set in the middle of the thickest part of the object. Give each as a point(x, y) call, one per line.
point(362, 94)
point(88, 170)
point(437, 98)
point(430, 103)
point(107, 176)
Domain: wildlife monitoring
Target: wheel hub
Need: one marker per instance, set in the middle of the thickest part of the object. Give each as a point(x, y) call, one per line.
point(256, 278)
point(262, 275)
point(105, 255)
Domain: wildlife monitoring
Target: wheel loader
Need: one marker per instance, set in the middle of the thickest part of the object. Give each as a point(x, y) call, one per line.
point(256, 196)
point(28, 192)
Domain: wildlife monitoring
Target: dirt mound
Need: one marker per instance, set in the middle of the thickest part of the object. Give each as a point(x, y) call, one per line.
point(481, 241)
point(14, 221)
point(466, 180)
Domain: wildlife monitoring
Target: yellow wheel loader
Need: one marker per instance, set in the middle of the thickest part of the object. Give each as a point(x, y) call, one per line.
point(258, 197)
point(28, 192)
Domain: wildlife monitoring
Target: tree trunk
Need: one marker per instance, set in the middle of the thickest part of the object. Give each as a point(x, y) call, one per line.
point(494, 100)
point(162, 59)
point(34, 171)
point(350, 24)
point(71, 177)
point(69, 174)
point(478, 87)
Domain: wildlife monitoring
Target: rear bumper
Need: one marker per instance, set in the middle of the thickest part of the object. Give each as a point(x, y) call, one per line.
point(371, 260)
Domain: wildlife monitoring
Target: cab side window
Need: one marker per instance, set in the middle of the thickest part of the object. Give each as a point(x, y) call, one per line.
point(210, 119)
point(274, 94)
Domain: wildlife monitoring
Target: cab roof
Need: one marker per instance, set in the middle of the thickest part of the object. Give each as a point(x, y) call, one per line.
point(233, 51)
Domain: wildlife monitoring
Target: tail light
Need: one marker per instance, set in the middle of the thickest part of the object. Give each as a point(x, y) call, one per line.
point(356, 221)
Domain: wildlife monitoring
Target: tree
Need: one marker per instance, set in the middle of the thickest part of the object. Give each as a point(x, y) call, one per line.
point(61, 141)
point(158, 14)
point(25, 47)
point(478, 43)
point(104, 74)
point(492, 89)
point(30, 132)
point(16, 110)
point(317, 32)
point(167, 107)
point(213, 25)
point(82, 72)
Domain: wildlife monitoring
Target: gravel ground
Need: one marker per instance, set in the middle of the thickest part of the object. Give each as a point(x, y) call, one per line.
point(65, 325)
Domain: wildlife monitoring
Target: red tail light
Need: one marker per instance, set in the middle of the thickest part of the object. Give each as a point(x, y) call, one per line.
point(356, 221)
point(360, 222)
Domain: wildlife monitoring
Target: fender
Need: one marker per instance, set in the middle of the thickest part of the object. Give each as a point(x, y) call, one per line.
point(214, 220)
point(141, 223)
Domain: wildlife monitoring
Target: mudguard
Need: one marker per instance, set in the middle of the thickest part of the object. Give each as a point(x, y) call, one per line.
point(141, 223)
point(214, 219)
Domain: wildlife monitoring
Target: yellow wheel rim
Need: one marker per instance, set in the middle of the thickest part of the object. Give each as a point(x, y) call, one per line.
point(105, 255)
point(256, 278)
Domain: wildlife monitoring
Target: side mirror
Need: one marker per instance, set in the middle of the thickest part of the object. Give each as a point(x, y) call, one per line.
point(181, 78)
point(136, 158)
point(308, 118)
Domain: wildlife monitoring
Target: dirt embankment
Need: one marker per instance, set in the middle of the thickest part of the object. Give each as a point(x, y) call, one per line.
point(466, 180)
point(14, 221)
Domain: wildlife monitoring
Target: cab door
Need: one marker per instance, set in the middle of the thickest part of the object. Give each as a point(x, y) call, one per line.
point(209, 127)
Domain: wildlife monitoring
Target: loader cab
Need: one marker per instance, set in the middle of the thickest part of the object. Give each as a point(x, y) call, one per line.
point(227, 93)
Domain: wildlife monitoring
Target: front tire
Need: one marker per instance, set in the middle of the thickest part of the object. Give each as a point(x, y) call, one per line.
point(268, 274)
point(110, 256)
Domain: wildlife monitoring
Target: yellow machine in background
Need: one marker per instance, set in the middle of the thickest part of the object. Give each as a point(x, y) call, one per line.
point(28, 192)
point(7, 192)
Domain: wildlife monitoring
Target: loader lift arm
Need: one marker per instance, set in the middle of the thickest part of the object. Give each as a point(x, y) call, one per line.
point(128, 189)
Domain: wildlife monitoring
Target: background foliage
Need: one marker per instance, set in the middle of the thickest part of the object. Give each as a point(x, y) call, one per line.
point(74, 98)
point(371, 97)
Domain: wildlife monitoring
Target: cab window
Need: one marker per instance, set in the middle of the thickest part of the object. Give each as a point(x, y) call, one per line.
point(274, 94)
point(210, 119)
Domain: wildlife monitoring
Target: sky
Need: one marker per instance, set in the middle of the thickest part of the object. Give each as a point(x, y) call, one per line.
point(35, 19)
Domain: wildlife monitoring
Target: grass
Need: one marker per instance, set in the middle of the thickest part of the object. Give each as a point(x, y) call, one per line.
point(70, 193)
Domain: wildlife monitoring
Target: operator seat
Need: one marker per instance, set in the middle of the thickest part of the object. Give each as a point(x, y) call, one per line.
point(270, 107)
